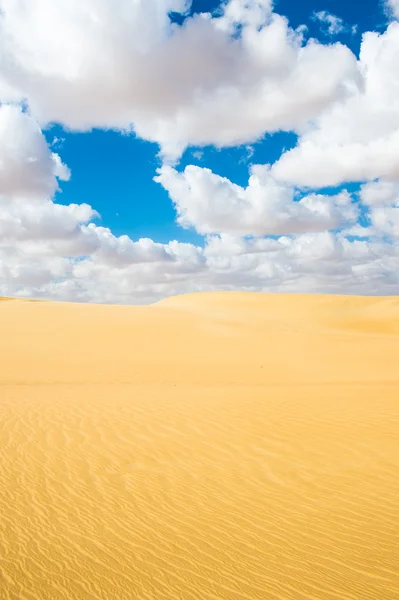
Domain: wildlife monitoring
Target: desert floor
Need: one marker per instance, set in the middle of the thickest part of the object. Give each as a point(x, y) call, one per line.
point(212, 446)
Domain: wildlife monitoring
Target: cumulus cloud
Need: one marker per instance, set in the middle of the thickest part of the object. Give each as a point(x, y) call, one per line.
point(219, 80)
point(27, 166)
point(71, 260)
point(214, 80)
point(382, 201)
point(314, 262)
point(386, 221)
point(356, 139)
point(48, 249)
point(246, 12)
point(380, 193)
point(213, 204)
point(47, 229)
point(393, 8)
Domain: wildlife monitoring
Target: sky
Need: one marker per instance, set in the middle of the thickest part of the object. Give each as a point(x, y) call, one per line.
point(150, 148)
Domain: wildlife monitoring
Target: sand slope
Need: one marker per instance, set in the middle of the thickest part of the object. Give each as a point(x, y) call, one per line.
point(213, 446)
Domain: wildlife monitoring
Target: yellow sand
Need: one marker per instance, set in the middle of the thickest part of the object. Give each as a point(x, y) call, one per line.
point(215, 446)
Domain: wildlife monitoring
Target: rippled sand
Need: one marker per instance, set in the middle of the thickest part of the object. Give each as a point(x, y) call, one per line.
point(215, 446)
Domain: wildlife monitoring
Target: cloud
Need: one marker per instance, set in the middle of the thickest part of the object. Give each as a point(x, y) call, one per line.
point(27, 166)
point(46, 248)
point(315, 262)
point(49, 250)
point(55, 254)
point(214, 80)
point(393, 8)
point(386, 221)
point(253, 13)
point(198, 154)
point(45, 228)
point(356, 139)
point(380, 193)
point(213, 204)
point(382, 200)
point(331, 24)
point(312, 262)
point(221, 80)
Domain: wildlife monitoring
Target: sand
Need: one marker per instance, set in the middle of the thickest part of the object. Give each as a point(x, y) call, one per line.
point(212, 446)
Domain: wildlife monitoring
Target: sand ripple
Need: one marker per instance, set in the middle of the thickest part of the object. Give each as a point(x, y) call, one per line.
point(180, 481)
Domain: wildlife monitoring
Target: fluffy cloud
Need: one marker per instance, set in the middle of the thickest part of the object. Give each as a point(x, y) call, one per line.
point(53, 251)
point(380, 193)
point(27, 166)
point(45, 231)
point(314, 262)
point(246, 12)
point(222, 80)
point(49, 250)
point(127, 67)
point(382, 200)
point(386, 221)
point(74, 261)
point(356, 139)
point(393, 7)
point(57, 250)
point(213, 204)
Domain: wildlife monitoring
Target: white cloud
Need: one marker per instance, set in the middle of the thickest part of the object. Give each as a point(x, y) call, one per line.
point(380, 193)
point(213, 204)
point(382, 200)
point(128, 68)
point(46, 229)
point(51, 252)
point(23, 221)
point(48, 248)
point(314, 262)
point(58, 251)
point(356, 139)
point(386, 220)
point(393, 7)
point(229, 245)
point(246, 12)
point(198, 154)
point(359, 231)
point(220, 81)
point(331, 24)
point(27, 166)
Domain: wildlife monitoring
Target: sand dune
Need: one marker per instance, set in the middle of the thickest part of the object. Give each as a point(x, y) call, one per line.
point(212, 446)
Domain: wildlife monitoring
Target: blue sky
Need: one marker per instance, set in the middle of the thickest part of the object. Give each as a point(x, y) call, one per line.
point(114, 172)
point(262, 160)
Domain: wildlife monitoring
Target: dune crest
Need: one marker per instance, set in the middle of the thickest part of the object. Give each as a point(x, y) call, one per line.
point(211, 446)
